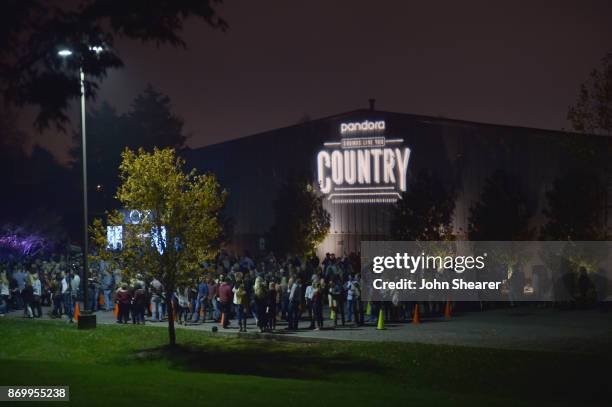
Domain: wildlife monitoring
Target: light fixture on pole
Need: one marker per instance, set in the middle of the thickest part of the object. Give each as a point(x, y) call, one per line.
point(87, 319)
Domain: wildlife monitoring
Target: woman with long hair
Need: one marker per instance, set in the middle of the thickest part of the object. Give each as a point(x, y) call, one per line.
point(240, 301)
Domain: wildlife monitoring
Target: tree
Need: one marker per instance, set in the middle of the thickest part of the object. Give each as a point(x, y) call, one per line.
point(181, 225)
point(31, 32)
point(592, 112)
point(300, 221)
point(574, 208)
point(425, 211)
point(502, 212)
point(149, 123)
point(34, 182)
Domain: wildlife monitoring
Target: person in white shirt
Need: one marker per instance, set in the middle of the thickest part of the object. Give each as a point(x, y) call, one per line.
point(308, 297)
point(37, 291)
point(67, 296)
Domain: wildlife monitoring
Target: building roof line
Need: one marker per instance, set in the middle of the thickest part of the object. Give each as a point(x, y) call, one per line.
point(424, 118)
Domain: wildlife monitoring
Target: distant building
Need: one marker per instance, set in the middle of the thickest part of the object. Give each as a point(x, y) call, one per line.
point(362, 160)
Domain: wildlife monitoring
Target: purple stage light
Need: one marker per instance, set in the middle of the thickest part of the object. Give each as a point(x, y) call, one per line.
point(24, 244)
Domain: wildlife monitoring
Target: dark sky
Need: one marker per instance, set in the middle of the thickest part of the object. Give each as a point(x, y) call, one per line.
point(512, 62)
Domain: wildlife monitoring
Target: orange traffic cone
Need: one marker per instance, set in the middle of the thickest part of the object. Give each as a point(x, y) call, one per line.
point(447, 310)
point(150, 309)
point(416, 319)
point(76, 312)
point(201, 312)
point(222, 319)
point(116, 311)
point(101, 300)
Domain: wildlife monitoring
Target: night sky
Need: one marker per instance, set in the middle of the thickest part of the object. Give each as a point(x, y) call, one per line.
point(518, 63)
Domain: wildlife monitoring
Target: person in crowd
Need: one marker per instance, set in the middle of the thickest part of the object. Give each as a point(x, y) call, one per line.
point(19, 277)
point(37, 291)
point(349, 288)
point(295, 298)
point(182, 304)
point(67, 296)
point(271, 309)
point(4, 293)
point(308, 298)
point(27, 294)
point(358, 310)
point(240, 299)
point(225, 300)
point(123, 300)
point(139, 302)
point(56, 296)
point(75, 285)
point(213, 291)
point(107, 284)
point(317, 305)
point(201, 301)
point(157, 310)
point(92, 293)
point(260, 297)
point(284, 289)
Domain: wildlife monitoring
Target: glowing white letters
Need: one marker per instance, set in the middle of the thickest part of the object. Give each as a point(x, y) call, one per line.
point(362, 167)
point(363, 126)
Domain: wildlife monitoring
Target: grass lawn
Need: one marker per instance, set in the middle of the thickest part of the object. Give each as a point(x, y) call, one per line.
point(128, 365)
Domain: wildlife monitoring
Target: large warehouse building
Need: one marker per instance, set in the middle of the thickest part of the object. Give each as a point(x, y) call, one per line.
point(364, 159)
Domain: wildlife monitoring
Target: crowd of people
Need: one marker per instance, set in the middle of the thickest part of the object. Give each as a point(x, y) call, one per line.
point(238, 288)
point(230, 288)
point(29, 284)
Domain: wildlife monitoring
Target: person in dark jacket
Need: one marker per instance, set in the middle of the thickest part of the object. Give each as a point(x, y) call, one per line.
point(138, 304)
point(225, 300)
point(123, 299)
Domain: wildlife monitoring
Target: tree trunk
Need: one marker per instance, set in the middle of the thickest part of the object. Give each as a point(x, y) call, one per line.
point(171, 331)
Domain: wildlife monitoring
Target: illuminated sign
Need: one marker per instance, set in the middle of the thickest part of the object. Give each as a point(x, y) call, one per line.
point(114, 237)
point(366, 169)
point(364, 126)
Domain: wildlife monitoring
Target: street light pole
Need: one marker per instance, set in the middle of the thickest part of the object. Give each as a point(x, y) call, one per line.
point(85, 214)
point(87, 319)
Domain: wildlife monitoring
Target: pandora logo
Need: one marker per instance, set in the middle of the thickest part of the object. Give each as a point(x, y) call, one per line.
point(366, 125)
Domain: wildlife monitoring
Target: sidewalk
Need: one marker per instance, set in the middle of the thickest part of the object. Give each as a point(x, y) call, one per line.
point(520, 328)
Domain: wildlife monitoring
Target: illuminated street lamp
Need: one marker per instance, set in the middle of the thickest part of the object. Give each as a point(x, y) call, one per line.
point(88, 320)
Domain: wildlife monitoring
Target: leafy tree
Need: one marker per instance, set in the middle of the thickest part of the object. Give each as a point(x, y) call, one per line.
point(592, 112)
point(181, 227)
point(574, 207)
point(32, 31)
point(502, 212)
point(300, 221)
point(425, 211)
